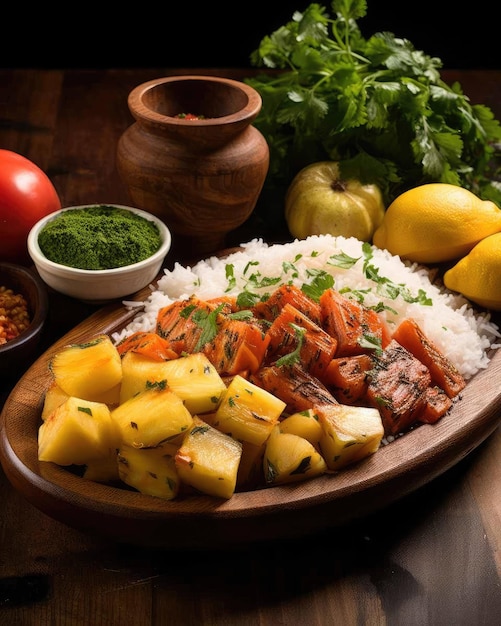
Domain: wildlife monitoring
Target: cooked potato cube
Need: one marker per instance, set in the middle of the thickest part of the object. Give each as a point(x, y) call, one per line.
point(54, 397)
point(208, 460)
point(289, 458)
point(151, 471)
point(248, 412)
point(139, 371)
point(76, 433)
point(196, 381)
point(304, 424)
point(349, 433)
point(193, 378)
point(88, 370)
point(152, 417)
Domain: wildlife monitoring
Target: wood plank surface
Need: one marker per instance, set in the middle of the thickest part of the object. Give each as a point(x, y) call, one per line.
point(431, 558)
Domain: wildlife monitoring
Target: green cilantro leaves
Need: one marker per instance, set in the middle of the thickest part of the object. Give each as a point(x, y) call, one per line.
point(376, 105)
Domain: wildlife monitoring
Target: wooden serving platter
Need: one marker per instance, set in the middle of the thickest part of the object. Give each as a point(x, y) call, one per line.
point(198, 521)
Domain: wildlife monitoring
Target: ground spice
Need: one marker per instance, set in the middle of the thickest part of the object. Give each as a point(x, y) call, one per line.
point(14, 316)
point(99, 237)
point(190, 116)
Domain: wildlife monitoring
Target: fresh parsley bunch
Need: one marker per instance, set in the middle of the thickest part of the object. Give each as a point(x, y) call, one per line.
point(377, 105)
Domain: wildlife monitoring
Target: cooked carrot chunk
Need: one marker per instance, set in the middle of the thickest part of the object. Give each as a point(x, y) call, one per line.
point(148, 344)
point(294, 386)
point(443, 372)
point(355, 326)
point(239, 345)
point(287, 294)
point(292, 329)
point(436, 405)
point(347, 377)
point(229, 303)
point(397, 386)
point(177, 323)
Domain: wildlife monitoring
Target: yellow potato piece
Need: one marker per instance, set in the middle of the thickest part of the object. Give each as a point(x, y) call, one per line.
point(305, 424)
point(248, 412)
point(76, 433)
point(151, 471)
point(208, 460)
point(54, 397)
point(152, 417)
point(193, 378)
point(88, 370)
point(349, 433)
point(290, 458)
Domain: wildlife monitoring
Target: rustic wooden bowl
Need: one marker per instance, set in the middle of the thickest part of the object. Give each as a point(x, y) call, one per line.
point(17, 354)
point(202, 177)
point(198, 521)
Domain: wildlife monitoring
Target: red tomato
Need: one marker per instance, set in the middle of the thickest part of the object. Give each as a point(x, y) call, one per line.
point(26, 195)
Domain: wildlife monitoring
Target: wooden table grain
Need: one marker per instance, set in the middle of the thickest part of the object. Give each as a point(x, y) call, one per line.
point(432, 558)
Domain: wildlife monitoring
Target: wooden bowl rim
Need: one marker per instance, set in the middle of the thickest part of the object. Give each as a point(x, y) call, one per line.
point(247, 113)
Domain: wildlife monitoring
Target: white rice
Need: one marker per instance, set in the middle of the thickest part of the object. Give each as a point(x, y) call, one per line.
point(464, 335)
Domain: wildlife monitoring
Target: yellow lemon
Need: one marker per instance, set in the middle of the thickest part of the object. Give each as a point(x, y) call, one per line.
point(436, 222)
point(478, 274)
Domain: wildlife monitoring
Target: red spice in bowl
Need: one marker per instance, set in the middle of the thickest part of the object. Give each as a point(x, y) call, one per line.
point(23, 311)
point(14, 315)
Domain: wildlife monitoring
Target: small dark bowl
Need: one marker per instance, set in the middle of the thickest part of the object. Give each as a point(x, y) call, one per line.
point(16, 355)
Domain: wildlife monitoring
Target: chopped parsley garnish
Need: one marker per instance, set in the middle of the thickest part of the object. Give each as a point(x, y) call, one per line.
point(321, 281)
point(295, 355)
point(207, 321)
point(252, 282)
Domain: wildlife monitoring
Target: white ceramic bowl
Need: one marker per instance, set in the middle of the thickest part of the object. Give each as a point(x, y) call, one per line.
point(98, 286)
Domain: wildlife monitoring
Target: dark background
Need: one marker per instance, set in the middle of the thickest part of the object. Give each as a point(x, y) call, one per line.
point(223, 34)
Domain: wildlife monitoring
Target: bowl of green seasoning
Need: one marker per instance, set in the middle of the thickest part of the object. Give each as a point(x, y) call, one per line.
point(100, 252)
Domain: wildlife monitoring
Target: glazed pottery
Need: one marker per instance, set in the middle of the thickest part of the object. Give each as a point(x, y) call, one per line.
point(201, 176)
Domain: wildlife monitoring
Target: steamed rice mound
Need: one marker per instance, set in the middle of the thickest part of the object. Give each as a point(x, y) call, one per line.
point(464, 335)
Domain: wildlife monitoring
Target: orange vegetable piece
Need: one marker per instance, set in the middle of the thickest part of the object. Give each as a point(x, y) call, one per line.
point(239, 345)
point(149, 344)
point(299, 389)
point(347, 377)
point(317, 346)
point(351, 323)
point(397, 386)
point(176, 324)
point(229, 303)
point(287, 294)
point(436, 405)
point(443, 372)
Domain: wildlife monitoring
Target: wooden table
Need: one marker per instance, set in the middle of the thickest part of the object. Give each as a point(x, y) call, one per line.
point(432, 558)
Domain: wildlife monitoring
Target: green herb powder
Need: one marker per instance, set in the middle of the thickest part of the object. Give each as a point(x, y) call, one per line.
point(99, 237)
